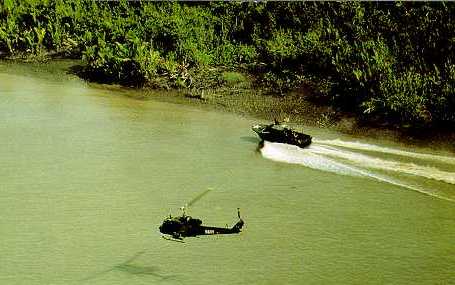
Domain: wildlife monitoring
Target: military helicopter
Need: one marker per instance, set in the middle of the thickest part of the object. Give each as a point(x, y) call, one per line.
point(186, 226)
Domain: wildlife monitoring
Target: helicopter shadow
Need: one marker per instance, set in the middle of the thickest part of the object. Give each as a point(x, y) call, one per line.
point(134, 269)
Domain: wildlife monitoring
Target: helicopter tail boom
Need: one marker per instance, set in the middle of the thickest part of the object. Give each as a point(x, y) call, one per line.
point(237, 228)
point(217, 231)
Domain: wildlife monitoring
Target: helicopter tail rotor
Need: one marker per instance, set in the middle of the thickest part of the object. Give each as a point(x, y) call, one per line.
point(238, 226)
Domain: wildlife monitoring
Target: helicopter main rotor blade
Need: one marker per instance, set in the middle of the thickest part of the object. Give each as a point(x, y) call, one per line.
point(198, 197)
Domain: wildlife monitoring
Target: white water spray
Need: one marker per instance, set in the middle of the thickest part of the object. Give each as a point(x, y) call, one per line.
point(389, 165)
point(343, 162)
point(307, 157)
point(387, 150)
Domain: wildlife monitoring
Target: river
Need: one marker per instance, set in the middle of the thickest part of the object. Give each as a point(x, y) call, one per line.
point(88, 174)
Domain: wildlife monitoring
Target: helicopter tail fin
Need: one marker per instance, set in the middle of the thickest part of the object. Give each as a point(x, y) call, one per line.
point(238, 226)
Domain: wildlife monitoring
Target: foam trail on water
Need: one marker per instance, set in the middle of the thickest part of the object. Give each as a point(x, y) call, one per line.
point(389, 165)
point(376, 148)
point(402, 184)
point(307, 157)
point(315, 157)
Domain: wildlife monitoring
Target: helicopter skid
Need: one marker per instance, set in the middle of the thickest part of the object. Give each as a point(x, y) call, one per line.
point(173, 239)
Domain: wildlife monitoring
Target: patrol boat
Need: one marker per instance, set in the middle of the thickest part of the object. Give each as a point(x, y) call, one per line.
point(277, 132)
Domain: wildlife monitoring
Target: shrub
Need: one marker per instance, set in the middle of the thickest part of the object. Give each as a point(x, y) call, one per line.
point(369, 58)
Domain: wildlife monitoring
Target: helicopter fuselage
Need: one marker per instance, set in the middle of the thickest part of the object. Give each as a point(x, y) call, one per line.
point(186, 226)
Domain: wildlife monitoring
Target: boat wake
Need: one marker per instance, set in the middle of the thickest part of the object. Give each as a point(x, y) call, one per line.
point(386, 150)
point(346, 158)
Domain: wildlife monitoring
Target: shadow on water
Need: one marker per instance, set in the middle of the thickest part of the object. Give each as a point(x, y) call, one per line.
point(258, 142)
point(250, 139)
point(134, 269)
point(130, 77)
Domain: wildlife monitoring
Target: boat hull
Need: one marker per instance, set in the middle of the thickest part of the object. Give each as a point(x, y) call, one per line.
point(282, 135)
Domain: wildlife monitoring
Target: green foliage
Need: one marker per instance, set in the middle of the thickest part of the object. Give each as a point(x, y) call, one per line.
point(367, 57)
point(234, 78)
point(282, 45)
point(407, 96)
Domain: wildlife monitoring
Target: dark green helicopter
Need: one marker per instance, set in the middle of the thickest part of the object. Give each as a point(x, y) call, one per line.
point(186, 226)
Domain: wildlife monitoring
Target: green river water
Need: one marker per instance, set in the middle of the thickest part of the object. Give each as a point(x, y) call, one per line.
point(87, 175)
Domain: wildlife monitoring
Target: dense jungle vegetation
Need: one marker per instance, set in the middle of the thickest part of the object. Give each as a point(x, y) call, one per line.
point(387, 61)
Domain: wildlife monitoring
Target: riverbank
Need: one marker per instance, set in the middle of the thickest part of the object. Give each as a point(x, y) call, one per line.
point(245, 100)
point(299, 107)
point(301, 112)
point(368, 59)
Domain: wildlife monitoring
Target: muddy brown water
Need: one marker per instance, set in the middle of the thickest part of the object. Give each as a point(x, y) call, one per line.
point(87, 176)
